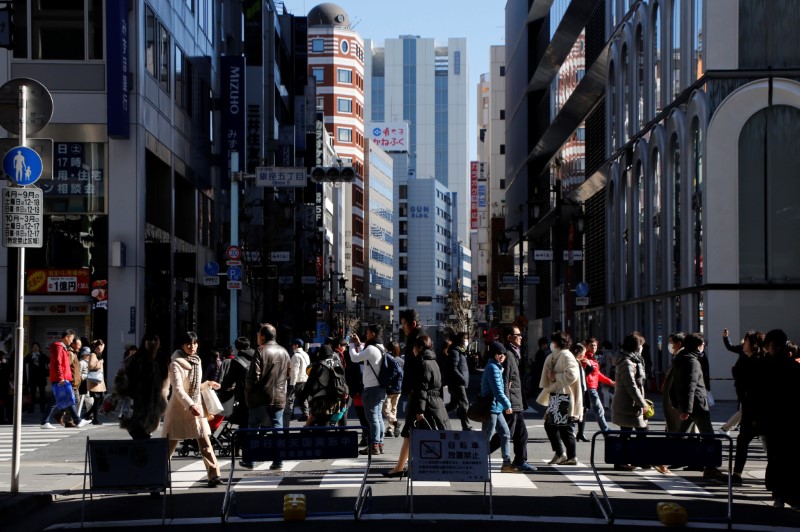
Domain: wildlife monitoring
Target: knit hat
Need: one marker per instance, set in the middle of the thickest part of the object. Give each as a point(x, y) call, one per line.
point(298, 342)
point(495, 348)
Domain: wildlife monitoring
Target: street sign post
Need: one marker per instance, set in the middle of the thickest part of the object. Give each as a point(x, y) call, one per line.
point(276, 176)
point(44, 147)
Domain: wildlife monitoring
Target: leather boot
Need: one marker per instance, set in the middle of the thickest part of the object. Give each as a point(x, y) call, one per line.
point(372, 449)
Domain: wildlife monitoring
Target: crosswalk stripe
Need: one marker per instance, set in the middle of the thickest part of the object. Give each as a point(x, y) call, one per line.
point(185, 477)
point(261, 482)
point(581, 475)
point(673, 484)
point(342, 478)
point(509, 480)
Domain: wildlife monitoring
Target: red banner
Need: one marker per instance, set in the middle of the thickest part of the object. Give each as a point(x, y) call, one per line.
point(57, 282)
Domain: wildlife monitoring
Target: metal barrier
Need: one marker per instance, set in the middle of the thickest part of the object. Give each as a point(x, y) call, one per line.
point(643, 447)
point(124, 466)
point(300, 443)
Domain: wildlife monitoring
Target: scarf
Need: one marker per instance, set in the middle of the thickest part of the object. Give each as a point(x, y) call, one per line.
point(195, 376)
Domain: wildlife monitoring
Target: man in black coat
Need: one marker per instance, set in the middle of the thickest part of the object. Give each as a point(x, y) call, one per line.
point(455, 374)
point(513, 383)
point(232, 385)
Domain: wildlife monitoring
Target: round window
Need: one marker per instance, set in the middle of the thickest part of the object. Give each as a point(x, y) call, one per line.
point(345, 47)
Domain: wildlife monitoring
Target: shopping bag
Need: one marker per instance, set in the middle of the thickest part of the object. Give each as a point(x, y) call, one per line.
point(211, 401)
point(65, 396)
point(95, 376)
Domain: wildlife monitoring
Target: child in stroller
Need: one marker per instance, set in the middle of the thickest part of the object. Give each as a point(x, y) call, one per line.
point(221, 438)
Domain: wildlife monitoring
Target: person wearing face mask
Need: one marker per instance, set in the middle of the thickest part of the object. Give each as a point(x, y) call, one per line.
point(455, 373)
point(629, 402)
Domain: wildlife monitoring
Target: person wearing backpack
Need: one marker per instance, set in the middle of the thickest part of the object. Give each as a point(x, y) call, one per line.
point(374, 394)
point(233, 383)
point(325, 390)
point(455, 373)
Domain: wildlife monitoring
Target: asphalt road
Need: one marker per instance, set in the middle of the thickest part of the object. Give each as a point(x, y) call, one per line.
point(53, 463)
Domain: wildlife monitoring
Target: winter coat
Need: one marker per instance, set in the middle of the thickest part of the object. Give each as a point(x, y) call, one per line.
point(672, 419)
point(96, 364)
point(268, 376)
point(36, 369)
point(300, 362)
point(627, 406)
point(513, 381)
point(316, 387)
point(688, 391)
point(352, 373)
point(455, 371)
point(411, 362)
point(492, 384)
point(371, 357)
point(144, 380)
point(426, 392)
point(179, 422)
point(233, 385)
point(593, 374)
point(746, 379)
point(567, 370)
point(60, 364)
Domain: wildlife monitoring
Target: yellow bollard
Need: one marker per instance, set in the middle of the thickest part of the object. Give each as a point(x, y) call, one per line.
point(294, 507)
point(672, 514)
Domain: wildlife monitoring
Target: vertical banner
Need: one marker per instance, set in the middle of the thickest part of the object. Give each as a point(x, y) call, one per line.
point(234, 112)
point(118, 117)
point(473, 194)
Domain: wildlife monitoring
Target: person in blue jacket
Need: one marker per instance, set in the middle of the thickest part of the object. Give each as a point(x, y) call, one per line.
point(492, 384)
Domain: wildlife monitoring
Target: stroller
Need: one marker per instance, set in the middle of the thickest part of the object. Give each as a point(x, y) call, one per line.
point(221, 438)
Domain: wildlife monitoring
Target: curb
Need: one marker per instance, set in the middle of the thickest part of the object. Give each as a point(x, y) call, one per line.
point(13, 507)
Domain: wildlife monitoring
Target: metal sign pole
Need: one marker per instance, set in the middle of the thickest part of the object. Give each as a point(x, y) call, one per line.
point(17, 435)
point(233, 311)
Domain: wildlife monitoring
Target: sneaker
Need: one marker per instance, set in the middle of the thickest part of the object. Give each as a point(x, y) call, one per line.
point(723, 431)
point(246, 465)
point(568, 461)
point(48, 426)
point(83, 423)
point(557, 458)
point(525, 467)
point(736, 479)
point(276, 466)
point(508, 468)
point(624, 467)
point(389, 433)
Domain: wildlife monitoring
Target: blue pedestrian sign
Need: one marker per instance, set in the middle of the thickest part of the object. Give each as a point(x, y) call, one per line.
point(23, 165)
point(582, 289)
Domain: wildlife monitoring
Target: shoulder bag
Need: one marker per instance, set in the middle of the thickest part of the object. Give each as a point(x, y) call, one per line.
point(480, 410)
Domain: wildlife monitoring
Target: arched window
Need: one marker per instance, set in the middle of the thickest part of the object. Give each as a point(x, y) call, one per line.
point(769, 163)
point(611, 215)
point(697, 199)
point(640, 119)
point(629, 235)
point(655, 31)
point(675, 42)
point(641, 225)
point(625, 89)
point(612, 111)
point(675, 214)
point(657, 217)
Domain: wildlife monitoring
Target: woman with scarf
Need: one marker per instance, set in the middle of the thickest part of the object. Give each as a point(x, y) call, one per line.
point(185, 417)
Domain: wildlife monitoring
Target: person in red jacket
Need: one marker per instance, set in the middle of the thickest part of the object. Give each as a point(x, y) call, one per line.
point(60, 373)
point(593, 379)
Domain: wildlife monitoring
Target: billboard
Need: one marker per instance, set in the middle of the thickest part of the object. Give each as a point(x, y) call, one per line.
point(390, 136)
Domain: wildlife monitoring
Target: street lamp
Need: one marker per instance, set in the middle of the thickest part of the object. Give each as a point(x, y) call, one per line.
point(503, 243)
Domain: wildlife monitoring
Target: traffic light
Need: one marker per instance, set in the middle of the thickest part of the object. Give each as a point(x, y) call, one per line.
point(7, 27)
point(332, 174)
point(388, 307)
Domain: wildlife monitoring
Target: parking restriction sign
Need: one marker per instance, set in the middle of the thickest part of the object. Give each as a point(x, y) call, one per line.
point(22, 217)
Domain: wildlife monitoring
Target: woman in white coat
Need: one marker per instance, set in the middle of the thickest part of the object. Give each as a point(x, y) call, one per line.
point(185, 417)
point(561, 394)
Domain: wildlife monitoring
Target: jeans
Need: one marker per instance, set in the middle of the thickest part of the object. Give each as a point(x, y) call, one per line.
point(373, 399)
point(597, 407)
point(267, 417)
point(498, 423)
point(519, 437)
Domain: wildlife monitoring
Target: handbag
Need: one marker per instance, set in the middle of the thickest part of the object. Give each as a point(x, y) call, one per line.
point(558, 410)
point(211, 402)
point(65, 396)
point(95, 376)
point(480, 410)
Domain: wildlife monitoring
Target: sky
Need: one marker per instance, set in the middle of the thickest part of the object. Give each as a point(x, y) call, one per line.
point(482, 22)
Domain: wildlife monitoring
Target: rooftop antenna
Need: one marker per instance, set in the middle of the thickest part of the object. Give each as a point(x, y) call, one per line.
point(356, 23)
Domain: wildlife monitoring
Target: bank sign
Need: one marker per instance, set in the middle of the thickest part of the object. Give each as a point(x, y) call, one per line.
point(233, 107)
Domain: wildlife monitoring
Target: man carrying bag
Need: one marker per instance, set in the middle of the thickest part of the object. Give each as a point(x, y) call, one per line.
point(60, 377)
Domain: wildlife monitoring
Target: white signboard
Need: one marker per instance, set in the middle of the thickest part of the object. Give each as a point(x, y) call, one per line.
point(279, 256)
point(390, 136)
point(576, 255)
point(234, 285)
point(277, 176)
point(582, 301)
point(22, 217)
point(449, 455)
point(211, 280)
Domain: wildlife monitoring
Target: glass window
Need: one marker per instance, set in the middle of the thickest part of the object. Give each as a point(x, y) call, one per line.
point(150, 51)
point(344, 47)
point(697, 199)
point(676, 48)
point(676, 213)
point(344, 134)
point(625, 67)
point(318, 73)
point(79, 180)
point(697, 39)
point(344, 105)
point(457, 62)
point(656, 165)
point(180, 85)
point(657, 58)
point(163, 58)
point(640, 119)
point(63, 30)
point(403, 192)
point(344, 75)
point(320, 103)
point(317, 45)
